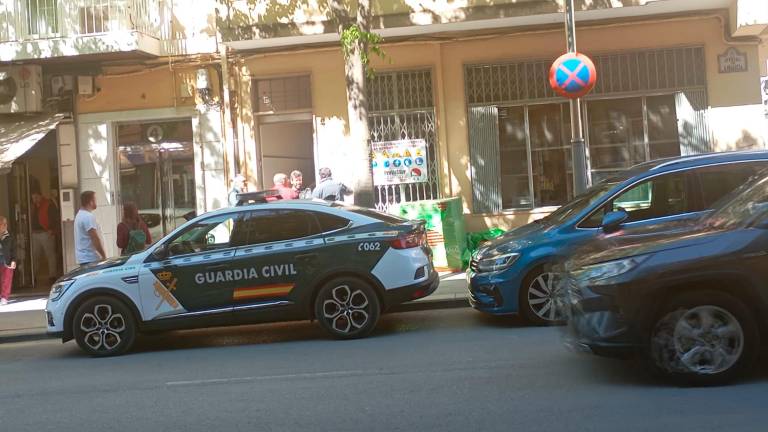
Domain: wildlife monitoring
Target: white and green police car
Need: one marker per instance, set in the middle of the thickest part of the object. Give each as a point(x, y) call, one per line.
point(280, 261)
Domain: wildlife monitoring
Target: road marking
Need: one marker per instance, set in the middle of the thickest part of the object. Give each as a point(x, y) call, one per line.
point(266, 377)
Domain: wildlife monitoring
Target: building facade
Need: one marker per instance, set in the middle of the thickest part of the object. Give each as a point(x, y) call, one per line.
point(160, 104)
point(675, 77)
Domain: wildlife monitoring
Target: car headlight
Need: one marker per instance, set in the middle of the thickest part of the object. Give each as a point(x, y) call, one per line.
point(59, 288)
point(496, 263)
point(600, 274)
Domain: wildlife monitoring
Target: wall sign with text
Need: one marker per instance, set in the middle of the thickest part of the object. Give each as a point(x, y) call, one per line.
point(732, 60)
point(398, 162)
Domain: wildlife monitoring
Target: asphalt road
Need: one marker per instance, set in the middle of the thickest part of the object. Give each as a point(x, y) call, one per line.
point(443, 370)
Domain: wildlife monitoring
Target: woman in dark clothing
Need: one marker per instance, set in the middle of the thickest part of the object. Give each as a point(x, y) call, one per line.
point(7, 261)
point(132, 233)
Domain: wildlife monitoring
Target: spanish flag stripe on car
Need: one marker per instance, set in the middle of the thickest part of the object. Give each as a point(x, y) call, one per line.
point(274, 290)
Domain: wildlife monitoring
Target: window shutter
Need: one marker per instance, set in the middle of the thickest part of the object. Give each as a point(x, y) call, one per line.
point(484, 159)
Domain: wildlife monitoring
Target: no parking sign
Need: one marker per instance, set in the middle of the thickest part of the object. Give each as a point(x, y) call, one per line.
point(572, 75)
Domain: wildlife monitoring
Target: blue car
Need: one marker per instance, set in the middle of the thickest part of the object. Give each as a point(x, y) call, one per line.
point(513, 273)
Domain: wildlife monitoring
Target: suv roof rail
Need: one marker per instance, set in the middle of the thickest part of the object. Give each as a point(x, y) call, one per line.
point(714, 155)
point(260, 197)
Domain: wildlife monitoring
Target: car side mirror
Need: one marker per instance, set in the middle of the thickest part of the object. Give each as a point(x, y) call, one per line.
point(161, 252)
point(612, 221)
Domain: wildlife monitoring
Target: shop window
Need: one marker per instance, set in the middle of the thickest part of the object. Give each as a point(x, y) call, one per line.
point(283, 94)
point(535, 151)
point(42, 17)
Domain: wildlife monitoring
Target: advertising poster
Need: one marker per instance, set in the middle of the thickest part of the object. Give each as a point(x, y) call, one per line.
point(764, 94)
point(398, 162)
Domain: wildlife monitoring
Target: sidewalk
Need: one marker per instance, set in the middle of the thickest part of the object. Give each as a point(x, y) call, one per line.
point(23, 319)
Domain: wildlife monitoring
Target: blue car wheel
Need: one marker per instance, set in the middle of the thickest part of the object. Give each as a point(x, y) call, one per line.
point(542, 299)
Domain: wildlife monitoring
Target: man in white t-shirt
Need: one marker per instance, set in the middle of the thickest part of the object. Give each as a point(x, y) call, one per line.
point(88, 245)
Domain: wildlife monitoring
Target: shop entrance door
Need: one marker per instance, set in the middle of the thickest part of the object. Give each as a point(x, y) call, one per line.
point(19, 224)
point(157, 173)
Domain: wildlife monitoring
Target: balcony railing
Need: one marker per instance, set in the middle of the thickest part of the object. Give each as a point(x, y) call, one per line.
point(29, 20)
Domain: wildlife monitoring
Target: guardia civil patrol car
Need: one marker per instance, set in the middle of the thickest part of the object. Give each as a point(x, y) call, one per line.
point(278, 261)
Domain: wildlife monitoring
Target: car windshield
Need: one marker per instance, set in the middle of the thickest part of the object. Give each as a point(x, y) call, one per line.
point(743, 206)
point(580, 202)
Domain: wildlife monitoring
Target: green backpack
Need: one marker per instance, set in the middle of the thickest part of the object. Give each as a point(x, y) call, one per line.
point(137, 241)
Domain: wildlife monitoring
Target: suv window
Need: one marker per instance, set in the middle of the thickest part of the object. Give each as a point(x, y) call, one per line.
point(268, 226)
point(717, 181)
point(665, 195)
point(329, 222)
point(206, 235)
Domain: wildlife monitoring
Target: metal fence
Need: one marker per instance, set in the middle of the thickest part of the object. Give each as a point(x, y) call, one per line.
point(22, 20)
point(402, 107)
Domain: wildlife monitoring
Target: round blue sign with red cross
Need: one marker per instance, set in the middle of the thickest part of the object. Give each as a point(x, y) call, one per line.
point(572, 75)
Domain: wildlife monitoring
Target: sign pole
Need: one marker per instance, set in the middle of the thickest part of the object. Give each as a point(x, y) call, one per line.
point(579, 153)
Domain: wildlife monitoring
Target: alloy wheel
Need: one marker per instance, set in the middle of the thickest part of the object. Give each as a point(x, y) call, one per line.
point(546, 298)
point(706, 340)
point(103, 328)
point(346, 310)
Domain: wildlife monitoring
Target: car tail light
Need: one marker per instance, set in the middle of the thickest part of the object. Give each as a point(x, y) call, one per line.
point(410, 240)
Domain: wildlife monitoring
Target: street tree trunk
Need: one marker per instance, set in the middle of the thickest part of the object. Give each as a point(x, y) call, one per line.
point(357, 100)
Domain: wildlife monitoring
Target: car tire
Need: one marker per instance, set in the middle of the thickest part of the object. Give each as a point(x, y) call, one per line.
point(703, 338)
point(541, 299)
point(104, 326)
point(347, 308)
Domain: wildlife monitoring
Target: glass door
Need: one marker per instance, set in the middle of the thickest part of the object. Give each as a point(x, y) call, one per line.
point(19, 225)
point(157, 173)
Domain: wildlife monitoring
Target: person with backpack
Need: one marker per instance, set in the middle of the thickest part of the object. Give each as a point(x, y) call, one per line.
point(132, 233)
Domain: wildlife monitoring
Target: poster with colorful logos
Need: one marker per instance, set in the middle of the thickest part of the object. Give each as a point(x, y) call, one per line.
point(398, 162)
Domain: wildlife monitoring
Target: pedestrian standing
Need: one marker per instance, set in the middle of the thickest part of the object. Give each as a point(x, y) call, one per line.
point(329, 189)
point(238, 187)
point(7, 261)
point(88, 245)
point(281, 185)
point(45, 227)
point(132, 233)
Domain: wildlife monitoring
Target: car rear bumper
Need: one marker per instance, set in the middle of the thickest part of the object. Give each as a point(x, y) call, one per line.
point(416, 291)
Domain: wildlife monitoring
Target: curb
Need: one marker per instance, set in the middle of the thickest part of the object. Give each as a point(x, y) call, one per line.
point(25, 337)
point(415, 306)
point(422, 305)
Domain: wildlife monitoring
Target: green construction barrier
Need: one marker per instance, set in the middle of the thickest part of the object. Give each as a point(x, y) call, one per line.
point(445, 228)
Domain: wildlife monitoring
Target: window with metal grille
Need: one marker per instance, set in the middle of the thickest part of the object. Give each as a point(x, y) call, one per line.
point(42, 17)
point(632, 71)
point(282, 94)
point(95, 17)
point(401, 106)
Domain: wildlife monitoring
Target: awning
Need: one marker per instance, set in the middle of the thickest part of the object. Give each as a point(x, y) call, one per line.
point(19, 134)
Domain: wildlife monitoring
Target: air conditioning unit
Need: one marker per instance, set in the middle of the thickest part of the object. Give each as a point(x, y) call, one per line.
point(21, 89)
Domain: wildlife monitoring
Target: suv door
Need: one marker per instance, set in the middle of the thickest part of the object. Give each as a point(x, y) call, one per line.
point(195, 276)
point(277, 260)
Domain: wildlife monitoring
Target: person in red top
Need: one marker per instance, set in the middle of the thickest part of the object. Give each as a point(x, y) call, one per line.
point(45, 228)
point(283, 187)
point(129, 238)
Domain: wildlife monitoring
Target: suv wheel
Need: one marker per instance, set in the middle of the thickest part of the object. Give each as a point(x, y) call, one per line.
point(703, 338)
point(542, 299)
point(347, 308)
point(104, 326)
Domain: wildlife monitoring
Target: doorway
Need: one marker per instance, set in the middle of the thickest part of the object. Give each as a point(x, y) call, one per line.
point(157, 172)
point(286, 145)
point(32, 185)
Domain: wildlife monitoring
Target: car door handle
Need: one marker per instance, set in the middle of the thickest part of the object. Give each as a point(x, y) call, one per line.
point(306, 257)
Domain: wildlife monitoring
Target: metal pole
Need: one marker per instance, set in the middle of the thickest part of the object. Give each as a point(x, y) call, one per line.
point(579, 153)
